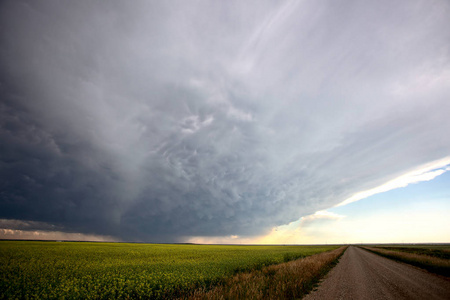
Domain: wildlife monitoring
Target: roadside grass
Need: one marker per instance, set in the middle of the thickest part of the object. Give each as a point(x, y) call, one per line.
point(291, 280)
point(433, 260)
point(434, 251)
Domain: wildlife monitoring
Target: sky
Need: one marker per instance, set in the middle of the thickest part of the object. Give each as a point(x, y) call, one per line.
point(225, 121)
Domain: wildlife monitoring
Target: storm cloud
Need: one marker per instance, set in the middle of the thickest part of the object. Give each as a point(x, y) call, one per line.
point(157, 121)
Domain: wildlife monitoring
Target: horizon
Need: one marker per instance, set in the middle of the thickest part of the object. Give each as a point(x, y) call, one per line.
point(185, 243)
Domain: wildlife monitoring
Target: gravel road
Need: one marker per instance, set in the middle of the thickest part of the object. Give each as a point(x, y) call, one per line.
point(363, 275)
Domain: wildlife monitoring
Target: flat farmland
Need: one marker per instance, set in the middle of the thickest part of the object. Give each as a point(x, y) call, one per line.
point(434, 250)
point(434, 258)
point(122, 270)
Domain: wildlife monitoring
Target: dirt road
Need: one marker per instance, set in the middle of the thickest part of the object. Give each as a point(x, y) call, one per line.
point(363, 275)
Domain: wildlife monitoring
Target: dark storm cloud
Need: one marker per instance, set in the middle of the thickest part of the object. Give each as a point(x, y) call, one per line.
point(155, 121)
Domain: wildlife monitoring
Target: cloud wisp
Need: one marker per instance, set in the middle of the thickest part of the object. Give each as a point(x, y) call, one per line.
point(424, 173)
point(160, 121)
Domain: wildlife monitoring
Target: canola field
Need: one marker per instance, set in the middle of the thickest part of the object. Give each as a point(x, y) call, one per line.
point(79, 270)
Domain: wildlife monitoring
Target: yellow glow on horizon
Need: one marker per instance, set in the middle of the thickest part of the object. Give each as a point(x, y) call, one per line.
point(391, 227)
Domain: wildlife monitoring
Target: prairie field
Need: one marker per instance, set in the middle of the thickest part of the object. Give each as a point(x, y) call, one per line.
point(439, 251)
point(290, 280)
point(75, 270)
point(434, 258)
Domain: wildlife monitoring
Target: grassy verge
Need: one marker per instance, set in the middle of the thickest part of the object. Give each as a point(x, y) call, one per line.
point(291, 280)
point(434, 251)
point(414, 256)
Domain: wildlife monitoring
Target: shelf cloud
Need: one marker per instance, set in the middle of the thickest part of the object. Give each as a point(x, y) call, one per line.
point(156, 121)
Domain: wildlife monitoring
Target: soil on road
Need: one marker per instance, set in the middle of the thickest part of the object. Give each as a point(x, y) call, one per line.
point(361, 274)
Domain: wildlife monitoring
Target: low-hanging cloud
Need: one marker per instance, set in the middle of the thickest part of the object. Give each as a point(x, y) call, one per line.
point(156, 121)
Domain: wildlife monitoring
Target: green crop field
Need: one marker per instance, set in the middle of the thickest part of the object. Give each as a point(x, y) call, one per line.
point(119, 270)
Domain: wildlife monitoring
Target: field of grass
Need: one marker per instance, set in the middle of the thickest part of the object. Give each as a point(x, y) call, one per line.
point(291, 280)
point(434, 258)
point(439, 251)
point(119, 270)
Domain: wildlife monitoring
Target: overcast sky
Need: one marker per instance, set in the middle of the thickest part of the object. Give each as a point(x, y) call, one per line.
point(157, 121)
